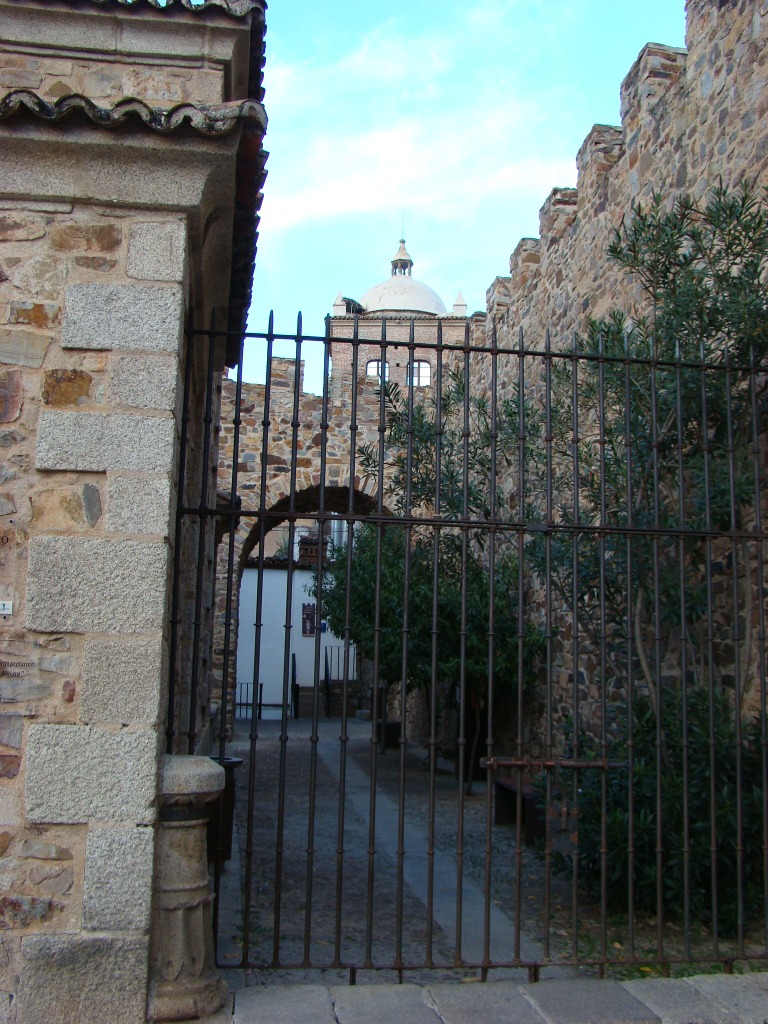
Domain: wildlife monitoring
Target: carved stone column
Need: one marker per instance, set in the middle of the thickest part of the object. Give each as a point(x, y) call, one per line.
point(184, 982)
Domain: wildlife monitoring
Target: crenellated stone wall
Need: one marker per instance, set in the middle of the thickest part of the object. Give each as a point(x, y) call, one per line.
point(689, 119)
point(119, 150)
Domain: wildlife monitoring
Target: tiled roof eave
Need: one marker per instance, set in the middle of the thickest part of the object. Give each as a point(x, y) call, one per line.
point(238, 8)
point(207, 119)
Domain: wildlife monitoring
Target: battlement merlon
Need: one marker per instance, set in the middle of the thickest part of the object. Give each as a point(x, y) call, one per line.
point(556, 215)
point(600, 152)
point(656, 71)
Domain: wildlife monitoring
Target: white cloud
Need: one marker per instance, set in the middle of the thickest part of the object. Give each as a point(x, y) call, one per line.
point(405, 122)
point(443, 166)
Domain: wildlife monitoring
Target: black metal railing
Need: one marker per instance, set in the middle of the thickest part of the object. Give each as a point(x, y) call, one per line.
point(562, 552)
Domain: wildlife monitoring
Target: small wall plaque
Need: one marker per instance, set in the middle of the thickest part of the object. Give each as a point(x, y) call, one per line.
point(7, 571)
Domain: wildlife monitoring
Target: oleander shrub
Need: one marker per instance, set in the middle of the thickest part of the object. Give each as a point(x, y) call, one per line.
point(724, 771)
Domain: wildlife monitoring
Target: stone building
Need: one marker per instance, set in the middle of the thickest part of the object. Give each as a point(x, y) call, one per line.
point(130, 170)
point(385, 314)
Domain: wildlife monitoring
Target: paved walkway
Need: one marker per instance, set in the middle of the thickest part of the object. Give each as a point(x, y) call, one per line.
point(706, 999)
point(298, 998)
point(510, 940)
point(415, 869)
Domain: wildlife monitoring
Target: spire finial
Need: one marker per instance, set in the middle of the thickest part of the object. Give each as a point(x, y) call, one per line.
point(402, 263)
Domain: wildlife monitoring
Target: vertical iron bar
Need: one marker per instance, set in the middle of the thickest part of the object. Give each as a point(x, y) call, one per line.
point(493, 503)
point(521, 435)
point(287, 653)
point(433, 683)
point(660, 739)
point(603, 641)
point(549, 513)
point(736, 636)
point(575, 640)
point(762, 588)
point(629, 448)
point(681, 557)
point(314, 737)
point(710, 644)
point(205, 489)
point(257, 686)
point(231, 537)
point(382, 427)
point(405, 644)
point(175, 624)
point(462, 743)
point(344, 737)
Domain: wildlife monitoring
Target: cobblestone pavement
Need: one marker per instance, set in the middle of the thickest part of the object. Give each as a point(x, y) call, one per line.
point(698, 1000)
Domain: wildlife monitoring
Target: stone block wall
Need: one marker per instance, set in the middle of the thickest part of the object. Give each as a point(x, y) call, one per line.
point(88, 458)
point(115, 229)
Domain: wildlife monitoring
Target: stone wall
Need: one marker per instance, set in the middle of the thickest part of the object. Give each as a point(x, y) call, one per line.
point(110, 237)
point(689, 119)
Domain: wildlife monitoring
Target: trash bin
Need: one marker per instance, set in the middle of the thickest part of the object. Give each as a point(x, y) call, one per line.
point(223, 811)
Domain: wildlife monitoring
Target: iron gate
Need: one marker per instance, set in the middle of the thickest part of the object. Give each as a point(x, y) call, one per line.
point(563, 552)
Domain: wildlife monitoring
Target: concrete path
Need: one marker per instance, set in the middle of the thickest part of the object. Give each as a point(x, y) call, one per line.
point(415, 871)
point(705, 999)
point(508, 943)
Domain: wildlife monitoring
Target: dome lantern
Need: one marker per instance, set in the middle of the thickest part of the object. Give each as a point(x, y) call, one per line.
point(402, 263)
point(401, 293)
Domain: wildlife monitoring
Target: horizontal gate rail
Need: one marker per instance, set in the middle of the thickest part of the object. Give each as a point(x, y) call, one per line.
point(540, 578)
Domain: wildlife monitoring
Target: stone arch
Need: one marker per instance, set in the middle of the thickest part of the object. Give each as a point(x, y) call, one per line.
point(247, 536)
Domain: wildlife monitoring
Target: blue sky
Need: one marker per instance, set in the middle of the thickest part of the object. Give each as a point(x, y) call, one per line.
point(461, 115)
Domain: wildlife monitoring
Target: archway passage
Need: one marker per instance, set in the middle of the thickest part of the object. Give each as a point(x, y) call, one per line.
point(282, 637)
point(494, 625)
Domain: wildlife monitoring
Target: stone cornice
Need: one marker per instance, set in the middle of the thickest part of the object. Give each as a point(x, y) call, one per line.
point(212, 120)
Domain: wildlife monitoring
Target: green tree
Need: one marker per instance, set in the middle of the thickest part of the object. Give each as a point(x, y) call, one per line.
point(660, 437)
point(440, 621)
point(435, 581)
point(655, 425)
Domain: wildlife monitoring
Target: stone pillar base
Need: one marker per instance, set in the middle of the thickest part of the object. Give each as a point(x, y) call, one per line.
point(185, 984)
point(199, 999)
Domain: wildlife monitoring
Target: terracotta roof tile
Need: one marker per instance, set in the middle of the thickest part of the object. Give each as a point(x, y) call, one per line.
point(207, 119)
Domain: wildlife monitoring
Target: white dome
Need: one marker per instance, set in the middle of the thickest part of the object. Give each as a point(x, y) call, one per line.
point(403, 294)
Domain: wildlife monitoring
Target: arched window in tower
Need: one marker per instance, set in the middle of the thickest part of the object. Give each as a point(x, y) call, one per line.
point(420, 374)
point(373, 369)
